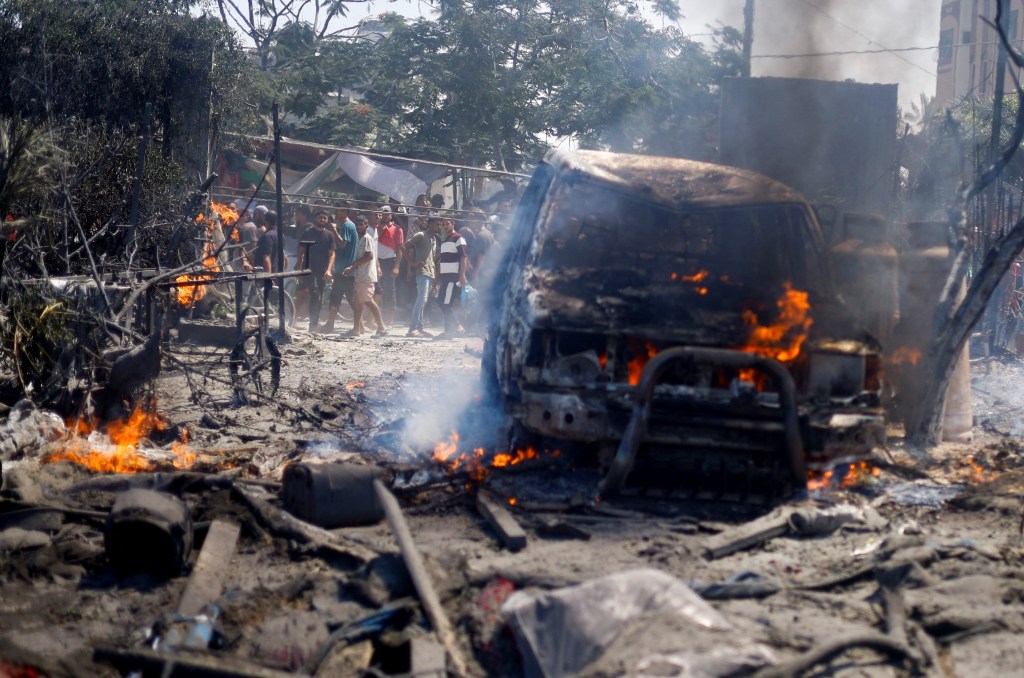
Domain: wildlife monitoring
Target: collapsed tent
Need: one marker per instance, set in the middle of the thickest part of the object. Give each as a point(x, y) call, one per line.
point(402, 181)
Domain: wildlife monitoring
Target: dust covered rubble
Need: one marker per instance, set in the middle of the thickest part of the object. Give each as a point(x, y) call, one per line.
point(917, 571)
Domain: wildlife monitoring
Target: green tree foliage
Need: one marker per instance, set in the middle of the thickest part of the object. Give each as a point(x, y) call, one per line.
point(81, 75)
point(495, 81)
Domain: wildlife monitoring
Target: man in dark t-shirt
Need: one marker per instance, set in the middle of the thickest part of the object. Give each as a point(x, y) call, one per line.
point(320, 262)
point(266, 247)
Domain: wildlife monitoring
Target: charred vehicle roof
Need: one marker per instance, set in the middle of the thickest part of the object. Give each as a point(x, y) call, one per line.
point(614, 260)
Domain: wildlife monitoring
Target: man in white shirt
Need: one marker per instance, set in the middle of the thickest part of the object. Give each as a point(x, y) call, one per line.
point(366, 274)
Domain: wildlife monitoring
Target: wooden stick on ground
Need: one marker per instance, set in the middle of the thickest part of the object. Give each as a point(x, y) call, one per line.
point(501, 521)
point(420, 577)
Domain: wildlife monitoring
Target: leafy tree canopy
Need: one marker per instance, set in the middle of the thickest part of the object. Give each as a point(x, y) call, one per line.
point(493, 81)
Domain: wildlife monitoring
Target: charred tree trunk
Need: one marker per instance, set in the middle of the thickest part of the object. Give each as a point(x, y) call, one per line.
point(954, 322)
point(924, 422)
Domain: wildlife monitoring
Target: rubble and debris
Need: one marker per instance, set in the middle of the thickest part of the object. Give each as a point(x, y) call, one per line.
point(148, 531)
point(331, 495)
point(561, 632)
point(509, 532)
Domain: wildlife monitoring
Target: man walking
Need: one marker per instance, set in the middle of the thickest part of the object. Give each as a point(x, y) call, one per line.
point(364, 268)
point(422, 257)
point(345, 238)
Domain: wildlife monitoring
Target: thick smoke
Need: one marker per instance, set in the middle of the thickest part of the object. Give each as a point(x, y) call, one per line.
point(827, 26)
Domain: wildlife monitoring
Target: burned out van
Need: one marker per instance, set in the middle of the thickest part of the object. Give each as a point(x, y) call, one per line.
point(678, 319)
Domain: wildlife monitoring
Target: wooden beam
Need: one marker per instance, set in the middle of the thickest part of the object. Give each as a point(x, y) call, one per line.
point(211, 570)
point(501, 521)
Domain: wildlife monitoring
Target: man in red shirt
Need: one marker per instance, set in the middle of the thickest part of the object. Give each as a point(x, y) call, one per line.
point(390, 241)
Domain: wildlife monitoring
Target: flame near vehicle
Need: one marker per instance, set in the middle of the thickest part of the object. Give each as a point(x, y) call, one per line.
point(781, 339)
point(475, 463)
point(850, 476)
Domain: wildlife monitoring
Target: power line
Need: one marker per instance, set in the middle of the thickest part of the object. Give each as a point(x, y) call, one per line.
point(870, 41)
point(871, 51)
point(845, 52)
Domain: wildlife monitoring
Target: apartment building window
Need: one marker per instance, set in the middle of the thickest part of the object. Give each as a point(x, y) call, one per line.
point(945, 46)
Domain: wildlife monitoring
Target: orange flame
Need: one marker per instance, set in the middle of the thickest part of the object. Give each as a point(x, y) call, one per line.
point(504, 459)
point(905, 354)
point(115, 448)
point(474, 461)
point(187, 296)
point(353, 385)
point(697, 278)
point(783, 339)
point(853, 475)
point(977, 470)
point(636, 365)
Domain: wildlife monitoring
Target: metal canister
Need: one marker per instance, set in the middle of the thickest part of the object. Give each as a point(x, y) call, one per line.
point(867, 273)
point(149, 532)
point(331, 495)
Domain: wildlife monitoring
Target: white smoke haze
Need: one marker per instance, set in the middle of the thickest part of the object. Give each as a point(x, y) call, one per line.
point(446, 403)
point(823, 26)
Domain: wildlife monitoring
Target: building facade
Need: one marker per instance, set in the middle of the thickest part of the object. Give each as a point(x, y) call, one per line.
point(969, 48)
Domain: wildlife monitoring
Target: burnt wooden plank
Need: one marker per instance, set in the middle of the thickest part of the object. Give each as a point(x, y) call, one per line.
point(747, 535)
point(207, 579)
point(501, 521)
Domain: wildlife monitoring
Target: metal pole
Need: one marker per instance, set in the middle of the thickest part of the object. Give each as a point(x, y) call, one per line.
point(279, 259)
point(748, 36)
point(990, 209)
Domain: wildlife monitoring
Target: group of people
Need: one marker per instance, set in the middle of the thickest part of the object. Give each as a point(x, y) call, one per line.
point(381, 259)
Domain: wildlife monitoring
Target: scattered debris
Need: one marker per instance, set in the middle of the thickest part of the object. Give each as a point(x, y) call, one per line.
point(510, 534)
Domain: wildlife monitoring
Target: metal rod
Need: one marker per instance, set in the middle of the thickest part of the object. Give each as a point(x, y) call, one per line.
point(239, 318)
point(385, 156)
point(279, 265)
point(214, 277)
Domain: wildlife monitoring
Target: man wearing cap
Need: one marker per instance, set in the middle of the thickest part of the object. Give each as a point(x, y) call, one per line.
point(249, 236)
point(390, 241)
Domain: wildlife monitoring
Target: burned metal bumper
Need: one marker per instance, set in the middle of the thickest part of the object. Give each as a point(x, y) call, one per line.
point(637, 430)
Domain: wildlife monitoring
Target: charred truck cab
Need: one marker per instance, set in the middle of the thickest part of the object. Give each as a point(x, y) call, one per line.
point(678, 318)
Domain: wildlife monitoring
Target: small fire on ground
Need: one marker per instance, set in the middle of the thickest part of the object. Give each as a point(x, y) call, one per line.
point(476, 463)
point(117, 446)
point(848, 476)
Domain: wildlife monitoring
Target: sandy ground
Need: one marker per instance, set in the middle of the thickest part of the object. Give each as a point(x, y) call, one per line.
point(939, 530)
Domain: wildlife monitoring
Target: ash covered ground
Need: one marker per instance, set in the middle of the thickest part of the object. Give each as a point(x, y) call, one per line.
point(928, 554)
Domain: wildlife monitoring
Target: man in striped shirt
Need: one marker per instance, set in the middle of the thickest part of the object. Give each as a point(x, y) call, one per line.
point(452, 264)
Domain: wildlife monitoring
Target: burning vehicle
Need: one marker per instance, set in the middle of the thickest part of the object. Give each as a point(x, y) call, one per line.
point(678, 319)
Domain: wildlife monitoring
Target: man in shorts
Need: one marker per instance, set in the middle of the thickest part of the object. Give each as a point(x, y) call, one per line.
point(364, 269)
